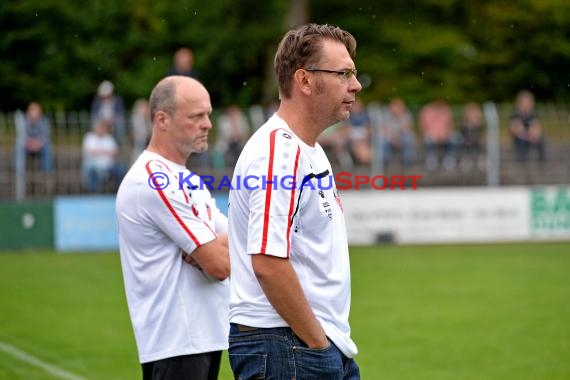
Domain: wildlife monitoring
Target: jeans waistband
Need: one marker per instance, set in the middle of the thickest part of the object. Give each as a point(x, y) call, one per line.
point(286, 332)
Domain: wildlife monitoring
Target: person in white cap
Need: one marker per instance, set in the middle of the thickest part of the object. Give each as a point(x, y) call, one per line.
point(109, 106)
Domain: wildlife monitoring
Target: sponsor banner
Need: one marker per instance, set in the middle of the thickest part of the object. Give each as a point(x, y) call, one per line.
point(85, 223)
point(449, 215)
point(222, 199)
point(435, 215)
point(88, 223)
point(550, 212)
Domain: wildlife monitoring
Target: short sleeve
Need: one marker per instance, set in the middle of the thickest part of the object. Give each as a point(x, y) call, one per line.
point(272, 201)
point(171, 209)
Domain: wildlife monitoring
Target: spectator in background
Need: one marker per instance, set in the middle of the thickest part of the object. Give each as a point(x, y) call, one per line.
point(526, 128)
point(397, 129)
point(471, 132)
point(270, 110)
point(335, 141)
point(110, 107)
point(99, 155)
point(359, 133)
point(440, 141)
point(233, 131)
point(141, 127)
point(183, 63)
point(36, 139)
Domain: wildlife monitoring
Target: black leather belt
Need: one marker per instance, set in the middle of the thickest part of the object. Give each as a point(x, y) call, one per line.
point(244, 328)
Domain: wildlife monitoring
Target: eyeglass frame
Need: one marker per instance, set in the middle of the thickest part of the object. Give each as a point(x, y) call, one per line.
point(344, 74)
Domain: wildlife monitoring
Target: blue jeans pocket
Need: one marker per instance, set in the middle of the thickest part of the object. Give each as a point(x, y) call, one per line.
point(321, 364)
point(248, 366)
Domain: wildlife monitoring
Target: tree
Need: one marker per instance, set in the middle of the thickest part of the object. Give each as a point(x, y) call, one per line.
point(57, 51)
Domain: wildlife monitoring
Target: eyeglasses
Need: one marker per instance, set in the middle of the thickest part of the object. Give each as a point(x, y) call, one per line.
point(344, 74)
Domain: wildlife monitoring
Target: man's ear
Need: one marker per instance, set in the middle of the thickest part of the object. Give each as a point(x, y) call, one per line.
point(304, 80)
point(161, 119)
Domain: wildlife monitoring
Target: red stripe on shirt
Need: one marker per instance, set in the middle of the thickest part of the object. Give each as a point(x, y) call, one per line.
point(184, 193)
point(268, 192)
point(171, 209)
point(292, 202)
point(175, 176)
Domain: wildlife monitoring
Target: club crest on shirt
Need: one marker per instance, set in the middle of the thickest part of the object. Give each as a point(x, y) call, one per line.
point(199, 203)
point(328, 209)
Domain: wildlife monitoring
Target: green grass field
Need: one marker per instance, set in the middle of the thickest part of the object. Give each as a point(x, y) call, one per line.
point(418, 312)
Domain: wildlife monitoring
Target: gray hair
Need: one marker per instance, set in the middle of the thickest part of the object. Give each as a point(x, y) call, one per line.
point(163, 98)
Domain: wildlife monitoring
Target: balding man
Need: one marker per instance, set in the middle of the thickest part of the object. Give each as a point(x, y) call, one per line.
point(173, 242)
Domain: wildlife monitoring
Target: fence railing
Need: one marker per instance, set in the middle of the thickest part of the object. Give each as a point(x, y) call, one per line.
point(497, 166)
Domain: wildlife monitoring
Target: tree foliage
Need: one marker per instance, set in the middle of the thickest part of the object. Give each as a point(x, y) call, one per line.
point(57, 51)
point(458, 50)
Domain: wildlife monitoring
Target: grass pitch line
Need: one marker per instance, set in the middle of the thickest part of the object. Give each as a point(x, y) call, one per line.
point(29, 359)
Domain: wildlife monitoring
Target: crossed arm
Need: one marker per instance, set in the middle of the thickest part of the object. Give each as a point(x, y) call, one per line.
point(212, 258)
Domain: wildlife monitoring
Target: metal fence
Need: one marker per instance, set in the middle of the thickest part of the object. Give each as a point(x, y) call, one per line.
point(498, 166)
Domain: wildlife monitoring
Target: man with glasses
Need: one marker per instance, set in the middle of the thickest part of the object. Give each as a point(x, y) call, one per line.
point(290, 287)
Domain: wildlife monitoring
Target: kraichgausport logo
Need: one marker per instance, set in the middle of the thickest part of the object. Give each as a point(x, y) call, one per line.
point(343, 181)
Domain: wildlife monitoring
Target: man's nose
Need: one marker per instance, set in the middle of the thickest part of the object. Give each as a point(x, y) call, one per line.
point(355, 85)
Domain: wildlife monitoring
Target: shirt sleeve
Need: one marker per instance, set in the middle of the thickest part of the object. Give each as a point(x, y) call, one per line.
point(172, 211)
point(272, 199)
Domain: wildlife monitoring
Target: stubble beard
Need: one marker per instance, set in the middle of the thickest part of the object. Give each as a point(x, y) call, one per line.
point(193, 147)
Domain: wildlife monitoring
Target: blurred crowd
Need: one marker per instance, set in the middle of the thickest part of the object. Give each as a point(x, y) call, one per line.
point(435, 135)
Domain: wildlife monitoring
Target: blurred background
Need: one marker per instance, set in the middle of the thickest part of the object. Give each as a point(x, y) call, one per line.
point(470, 97)
point(460, 93)
point(62, 54)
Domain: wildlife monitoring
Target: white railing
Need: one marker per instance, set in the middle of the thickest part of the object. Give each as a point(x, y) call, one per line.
point(69, 127)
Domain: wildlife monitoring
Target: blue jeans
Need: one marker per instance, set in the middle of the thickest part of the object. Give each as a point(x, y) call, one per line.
point(278, 354)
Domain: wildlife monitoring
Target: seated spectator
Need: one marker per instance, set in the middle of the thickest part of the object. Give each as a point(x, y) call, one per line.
point(440, 141)
point(36, 139)
point(471, 133)
point(141, 127)
point(397, 132)
point(359, 134)
point(526, 128)
point(109, 106)
point(183, 63)
point(233, 131)
point(99, 155)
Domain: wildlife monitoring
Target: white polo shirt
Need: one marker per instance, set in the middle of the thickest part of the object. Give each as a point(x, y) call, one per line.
point(304, 224)
point(175, 308)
